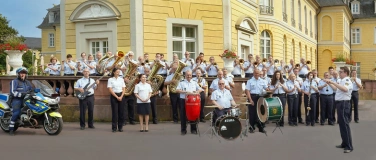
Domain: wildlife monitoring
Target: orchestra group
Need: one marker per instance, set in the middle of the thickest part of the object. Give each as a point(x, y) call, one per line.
point(143, 80)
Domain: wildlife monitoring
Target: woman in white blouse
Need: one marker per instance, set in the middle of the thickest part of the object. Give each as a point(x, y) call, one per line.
point(198, 66)
point(143, 91)
point(116, 86)
point(237, 68)
point(279, 89)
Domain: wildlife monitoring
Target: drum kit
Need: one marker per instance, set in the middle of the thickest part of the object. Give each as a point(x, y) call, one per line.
point(229, 126)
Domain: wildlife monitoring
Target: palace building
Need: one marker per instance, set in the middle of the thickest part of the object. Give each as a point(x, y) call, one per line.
point(316, 30)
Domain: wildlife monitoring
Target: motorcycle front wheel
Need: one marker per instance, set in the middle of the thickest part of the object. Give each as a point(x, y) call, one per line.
point(54, 127)
point(5, 121)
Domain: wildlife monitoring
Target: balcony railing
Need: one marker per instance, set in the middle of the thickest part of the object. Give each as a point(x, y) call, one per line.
point(293, 22)
point(285, 17)
point(306, 31)
point(300, 26)
point(268, 10)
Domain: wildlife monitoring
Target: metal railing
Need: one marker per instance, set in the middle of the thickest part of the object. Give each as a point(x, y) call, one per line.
point(268, 10)
point(284, 17)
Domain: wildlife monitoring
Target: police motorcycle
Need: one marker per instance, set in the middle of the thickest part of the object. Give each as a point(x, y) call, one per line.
point(39, 109)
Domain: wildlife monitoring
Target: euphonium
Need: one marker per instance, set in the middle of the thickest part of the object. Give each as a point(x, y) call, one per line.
point(132, 75)
point(177, 75)
point(102, 64)
point(156, 80)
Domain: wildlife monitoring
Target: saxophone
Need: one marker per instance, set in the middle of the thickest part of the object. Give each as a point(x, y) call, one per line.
point(156, 80)
point(177, 76)
point(132, 74)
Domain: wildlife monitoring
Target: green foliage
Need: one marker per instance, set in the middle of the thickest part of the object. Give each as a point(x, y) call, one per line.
point(3, 61)
point(27, 59)
point(6, 31)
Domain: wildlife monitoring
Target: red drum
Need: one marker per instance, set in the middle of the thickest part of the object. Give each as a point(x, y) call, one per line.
point(192, 106)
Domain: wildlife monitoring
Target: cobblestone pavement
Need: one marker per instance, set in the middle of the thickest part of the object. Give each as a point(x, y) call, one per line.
point(163, 141)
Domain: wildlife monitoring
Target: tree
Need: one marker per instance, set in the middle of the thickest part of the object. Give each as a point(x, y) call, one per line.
point(27, 59)
point(6, 31)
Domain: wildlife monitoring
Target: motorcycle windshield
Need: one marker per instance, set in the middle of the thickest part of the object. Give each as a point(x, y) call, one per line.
point(45, 88)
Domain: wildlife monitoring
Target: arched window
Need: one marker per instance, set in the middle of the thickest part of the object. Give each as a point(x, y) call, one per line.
point(265, 44)
point(292, 13)
point(310, 23)
point(300, 16)
point(305, 20)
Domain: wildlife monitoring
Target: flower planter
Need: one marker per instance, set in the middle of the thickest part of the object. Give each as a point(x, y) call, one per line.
point(229, 65)
point(15, 60)
point(339, 65)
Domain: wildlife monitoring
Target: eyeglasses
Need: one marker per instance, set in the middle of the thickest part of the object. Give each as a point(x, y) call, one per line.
point(340, 71)
point(221, 84)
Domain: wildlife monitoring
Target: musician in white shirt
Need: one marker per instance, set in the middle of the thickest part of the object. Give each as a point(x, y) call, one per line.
point(188, 61)
point(88, 102)
point(143, 91)
point(116, 87)
point(212, 69)
point(91, 65)
point(292, 99)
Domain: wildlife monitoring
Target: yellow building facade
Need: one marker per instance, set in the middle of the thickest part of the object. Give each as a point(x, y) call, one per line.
point(316, 30)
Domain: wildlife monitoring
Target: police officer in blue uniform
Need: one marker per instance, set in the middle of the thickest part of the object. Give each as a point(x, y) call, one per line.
point(253, 90)
point(343, 96)
point(18, 89)
point(184, 87)
point(326, 100)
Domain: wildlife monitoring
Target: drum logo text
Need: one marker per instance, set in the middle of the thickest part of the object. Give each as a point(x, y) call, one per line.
point(229, 120)
point(274, 110)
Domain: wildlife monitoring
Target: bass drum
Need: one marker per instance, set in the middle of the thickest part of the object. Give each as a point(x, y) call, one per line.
point(269, 109)
point(228, 127)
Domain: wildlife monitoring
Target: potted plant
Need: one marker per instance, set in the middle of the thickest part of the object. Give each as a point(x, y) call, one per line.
point(228, 56)
point(15, 48)
point(339, 61)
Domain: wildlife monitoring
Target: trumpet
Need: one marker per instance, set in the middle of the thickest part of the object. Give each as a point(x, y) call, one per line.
point(255, 63)
point(215, 63)
point(264, 60)
point(276, 61)
point(241, 61)
point(286, 67)
point(142, 64)
point(297, 65)
point(308, 62)
point(147, 61)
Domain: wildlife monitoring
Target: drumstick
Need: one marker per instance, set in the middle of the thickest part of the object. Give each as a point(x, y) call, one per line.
point(308, 109)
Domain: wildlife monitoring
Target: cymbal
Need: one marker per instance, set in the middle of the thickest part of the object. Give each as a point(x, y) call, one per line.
point(211, 106)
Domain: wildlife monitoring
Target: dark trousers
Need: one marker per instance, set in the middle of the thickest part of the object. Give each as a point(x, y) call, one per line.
point(282, 97)
point(252, 113)
point(292, 101)
point(326, 104)
point(174, 98)
point(202, 114)
point(317, 106)
point(153, 104)
point(300, 119)
point(237, 76)
point(334, 108)
point(310, 119)
point(248, 75)
point(343, 110)
point(129, 106)
point(354, 102)
point(79, 74)
point(88, 103)
point(218, 113)
point(270, 76)
point(117, 108)
point(302, 76)
point(183, 117)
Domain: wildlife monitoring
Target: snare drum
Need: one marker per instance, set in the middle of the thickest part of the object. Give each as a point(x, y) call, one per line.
point(228, 127)
point(192, 106)
point(234, 112)
point(269, 109)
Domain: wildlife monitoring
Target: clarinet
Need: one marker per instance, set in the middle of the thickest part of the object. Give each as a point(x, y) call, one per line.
point(309, 98)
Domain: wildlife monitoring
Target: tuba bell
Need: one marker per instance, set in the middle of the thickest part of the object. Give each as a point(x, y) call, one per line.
point(132, 74)
point(156, 80)
point(177, 76)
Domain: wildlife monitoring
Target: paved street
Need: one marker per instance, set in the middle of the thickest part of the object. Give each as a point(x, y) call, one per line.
point(163, 141)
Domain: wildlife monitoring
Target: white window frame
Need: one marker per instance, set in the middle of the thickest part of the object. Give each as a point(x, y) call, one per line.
point(51, 17)
point(357, 68)
point(356, 41)
point(264, 38)
point(355, 7)
point(185, 39)
point(184, 22)
point(51, 40)
point(101, 47)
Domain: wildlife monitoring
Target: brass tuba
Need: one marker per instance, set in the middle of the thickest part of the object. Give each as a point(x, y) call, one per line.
point(156, 80)
point(177, 76)
point(102, 63)
point(132, 74)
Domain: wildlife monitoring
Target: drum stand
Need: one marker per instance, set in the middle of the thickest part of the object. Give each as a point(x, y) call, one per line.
point(277, 126)
point(212, 128)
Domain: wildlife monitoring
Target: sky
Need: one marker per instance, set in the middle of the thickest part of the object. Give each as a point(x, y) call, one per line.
point(26, 15)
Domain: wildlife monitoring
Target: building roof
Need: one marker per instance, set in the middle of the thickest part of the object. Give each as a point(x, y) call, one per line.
point(327, 3)
point(33, 43)
point(366, 9)
point(45, 23)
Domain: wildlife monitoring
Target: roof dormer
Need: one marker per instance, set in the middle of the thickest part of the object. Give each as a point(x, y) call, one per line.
point(51, 17)
point(355, 7)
